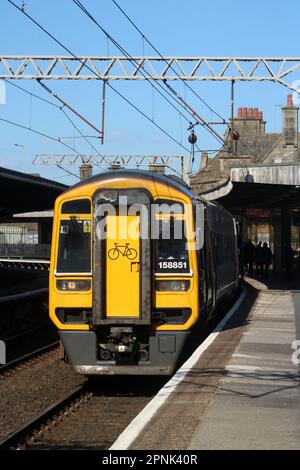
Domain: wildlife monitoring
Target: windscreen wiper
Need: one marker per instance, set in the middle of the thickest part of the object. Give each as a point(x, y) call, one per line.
point(77, 226)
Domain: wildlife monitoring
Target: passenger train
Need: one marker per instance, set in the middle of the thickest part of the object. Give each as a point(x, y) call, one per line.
point(138, 263)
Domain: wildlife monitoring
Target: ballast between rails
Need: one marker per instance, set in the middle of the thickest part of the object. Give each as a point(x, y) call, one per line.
point(17, 438)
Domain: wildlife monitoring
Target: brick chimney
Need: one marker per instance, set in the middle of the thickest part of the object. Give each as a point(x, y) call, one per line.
point(290, 123)
point(86, 170)
point(249, 121)
point(158, 168)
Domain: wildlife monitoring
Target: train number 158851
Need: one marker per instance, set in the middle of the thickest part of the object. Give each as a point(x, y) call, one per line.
point(172, 265)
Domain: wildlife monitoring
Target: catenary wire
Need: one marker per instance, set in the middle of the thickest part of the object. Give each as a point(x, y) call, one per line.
point(61, 109)
point(134, 61)
point(41, 134)
point(89, 68)
point(173, 95)
point(164, 59)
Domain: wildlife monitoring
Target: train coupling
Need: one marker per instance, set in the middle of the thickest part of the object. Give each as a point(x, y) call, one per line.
point(122, 344)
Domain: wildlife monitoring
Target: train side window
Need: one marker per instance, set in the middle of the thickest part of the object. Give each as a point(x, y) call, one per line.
point(222, 248)
point(77, 206)
point(210, 243)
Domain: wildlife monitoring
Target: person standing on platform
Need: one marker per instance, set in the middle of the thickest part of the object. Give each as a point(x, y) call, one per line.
point(249, 255)
point(258, 258)
point(267, 257)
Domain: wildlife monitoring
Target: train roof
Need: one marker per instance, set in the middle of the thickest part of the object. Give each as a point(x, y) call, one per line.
point(169, 180)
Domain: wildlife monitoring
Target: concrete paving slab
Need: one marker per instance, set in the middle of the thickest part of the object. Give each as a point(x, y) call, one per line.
point(243, 391)
point(257, 405)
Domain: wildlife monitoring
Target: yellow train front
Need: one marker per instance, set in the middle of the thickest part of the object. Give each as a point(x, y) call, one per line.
point(129, 276)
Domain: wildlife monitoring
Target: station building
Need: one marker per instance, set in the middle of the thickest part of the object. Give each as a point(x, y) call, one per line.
point(26, 203)
point(259, 182)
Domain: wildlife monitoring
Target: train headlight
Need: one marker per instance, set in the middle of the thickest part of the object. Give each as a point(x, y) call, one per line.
point(73, 284)
point(174, 286)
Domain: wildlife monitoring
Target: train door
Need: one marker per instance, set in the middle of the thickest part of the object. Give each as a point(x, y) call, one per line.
point(122, 267)
point(122, 257)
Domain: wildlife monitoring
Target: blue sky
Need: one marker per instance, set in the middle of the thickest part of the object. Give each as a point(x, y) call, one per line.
point(194, 28)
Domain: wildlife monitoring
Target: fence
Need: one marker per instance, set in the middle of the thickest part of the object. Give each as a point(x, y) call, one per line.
point(13, 233)
point(25, 250)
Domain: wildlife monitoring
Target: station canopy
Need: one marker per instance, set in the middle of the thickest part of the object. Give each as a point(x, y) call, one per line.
point(261, 195)
point(21, 192)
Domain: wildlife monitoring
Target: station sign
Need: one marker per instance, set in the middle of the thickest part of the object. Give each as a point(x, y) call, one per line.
point(262, 213)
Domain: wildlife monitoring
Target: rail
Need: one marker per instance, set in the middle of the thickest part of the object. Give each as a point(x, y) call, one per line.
point(14, 440)
point(28, 357)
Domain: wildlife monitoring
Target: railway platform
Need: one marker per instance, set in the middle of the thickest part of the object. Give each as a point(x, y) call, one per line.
point(240, 389)
point(17, 281)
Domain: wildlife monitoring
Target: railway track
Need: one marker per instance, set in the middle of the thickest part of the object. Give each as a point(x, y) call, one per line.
point(19, 438)
point(22, 309)
point(15, 339)
point(90, 417)
point(28, 359)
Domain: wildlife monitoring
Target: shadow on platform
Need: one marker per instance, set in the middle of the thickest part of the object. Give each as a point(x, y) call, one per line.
point(275, 281)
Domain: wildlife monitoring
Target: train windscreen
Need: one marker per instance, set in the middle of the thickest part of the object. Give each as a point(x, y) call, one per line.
point(171, 245)
point(74, 246)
